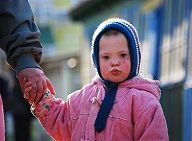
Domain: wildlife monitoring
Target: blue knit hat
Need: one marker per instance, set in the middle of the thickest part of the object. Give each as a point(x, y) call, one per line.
point(133, 42)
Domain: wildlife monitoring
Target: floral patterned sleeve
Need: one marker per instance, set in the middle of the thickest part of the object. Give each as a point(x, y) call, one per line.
point(53, 115)
point(44, 106)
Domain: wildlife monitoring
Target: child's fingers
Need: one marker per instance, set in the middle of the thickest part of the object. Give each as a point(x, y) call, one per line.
point(27, 89)
point(27, 84)
point(26, 95)
point(26, 92)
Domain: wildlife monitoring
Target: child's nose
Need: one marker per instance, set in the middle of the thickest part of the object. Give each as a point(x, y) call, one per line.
point(115, 62)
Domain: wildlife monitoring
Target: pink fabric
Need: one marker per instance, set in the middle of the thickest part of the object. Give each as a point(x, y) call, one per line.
point(136, 115)
point(2, 127)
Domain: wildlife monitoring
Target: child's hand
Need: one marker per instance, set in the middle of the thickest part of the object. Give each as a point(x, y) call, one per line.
point(27, 88)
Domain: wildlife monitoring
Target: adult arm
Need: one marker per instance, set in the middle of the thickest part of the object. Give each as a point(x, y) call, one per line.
point(19, 39)
point(19, 35)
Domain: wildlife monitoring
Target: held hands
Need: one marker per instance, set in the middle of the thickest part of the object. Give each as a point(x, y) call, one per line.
point(27, 88)
point(34, 84)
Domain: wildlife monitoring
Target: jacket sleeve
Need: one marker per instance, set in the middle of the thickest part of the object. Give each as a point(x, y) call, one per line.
point(150, 123)
point(53, 114)
point(19, 34)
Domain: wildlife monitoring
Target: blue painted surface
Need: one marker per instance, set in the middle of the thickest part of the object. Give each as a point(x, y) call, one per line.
point(187, 115)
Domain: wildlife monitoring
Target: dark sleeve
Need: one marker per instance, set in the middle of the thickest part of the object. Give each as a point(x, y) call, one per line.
point(19, 35)
point(4, 88)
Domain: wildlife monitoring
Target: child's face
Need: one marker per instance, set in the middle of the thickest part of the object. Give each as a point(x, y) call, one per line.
point(114, 58)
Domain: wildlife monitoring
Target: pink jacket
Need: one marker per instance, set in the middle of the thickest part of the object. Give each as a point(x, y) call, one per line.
point(136, 115)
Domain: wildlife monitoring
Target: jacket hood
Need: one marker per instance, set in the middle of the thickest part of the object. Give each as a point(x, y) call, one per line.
point(141, 83)
point(138, 82)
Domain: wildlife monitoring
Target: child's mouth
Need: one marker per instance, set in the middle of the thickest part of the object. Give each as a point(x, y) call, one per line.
point(115, 72)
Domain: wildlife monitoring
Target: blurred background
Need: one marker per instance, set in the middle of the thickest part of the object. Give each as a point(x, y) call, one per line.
point(165, 32)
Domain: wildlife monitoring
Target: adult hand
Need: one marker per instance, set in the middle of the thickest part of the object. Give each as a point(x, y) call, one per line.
point(40, 83)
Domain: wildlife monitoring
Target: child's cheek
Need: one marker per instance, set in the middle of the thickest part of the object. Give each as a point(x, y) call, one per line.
point(104, 70)
point(126, 63)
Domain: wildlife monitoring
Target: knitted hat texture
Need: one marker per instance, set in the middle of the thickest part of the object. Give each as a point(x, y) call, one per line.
point(133, 42)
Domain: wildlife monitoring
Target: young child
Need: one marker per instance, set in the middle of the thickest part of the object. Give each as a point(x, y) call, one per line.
point(120, 104)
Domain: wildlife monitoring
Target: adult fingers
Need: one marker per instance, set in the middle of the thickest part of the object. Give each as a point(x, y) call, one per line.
point(33, 92)
point(22, 79)
point(50, 86)
point(40, 91)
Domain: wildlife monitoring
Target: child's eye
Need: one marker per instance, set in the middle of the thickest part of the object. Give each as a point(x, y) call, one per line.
point(105, 57)
point(123, 55)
